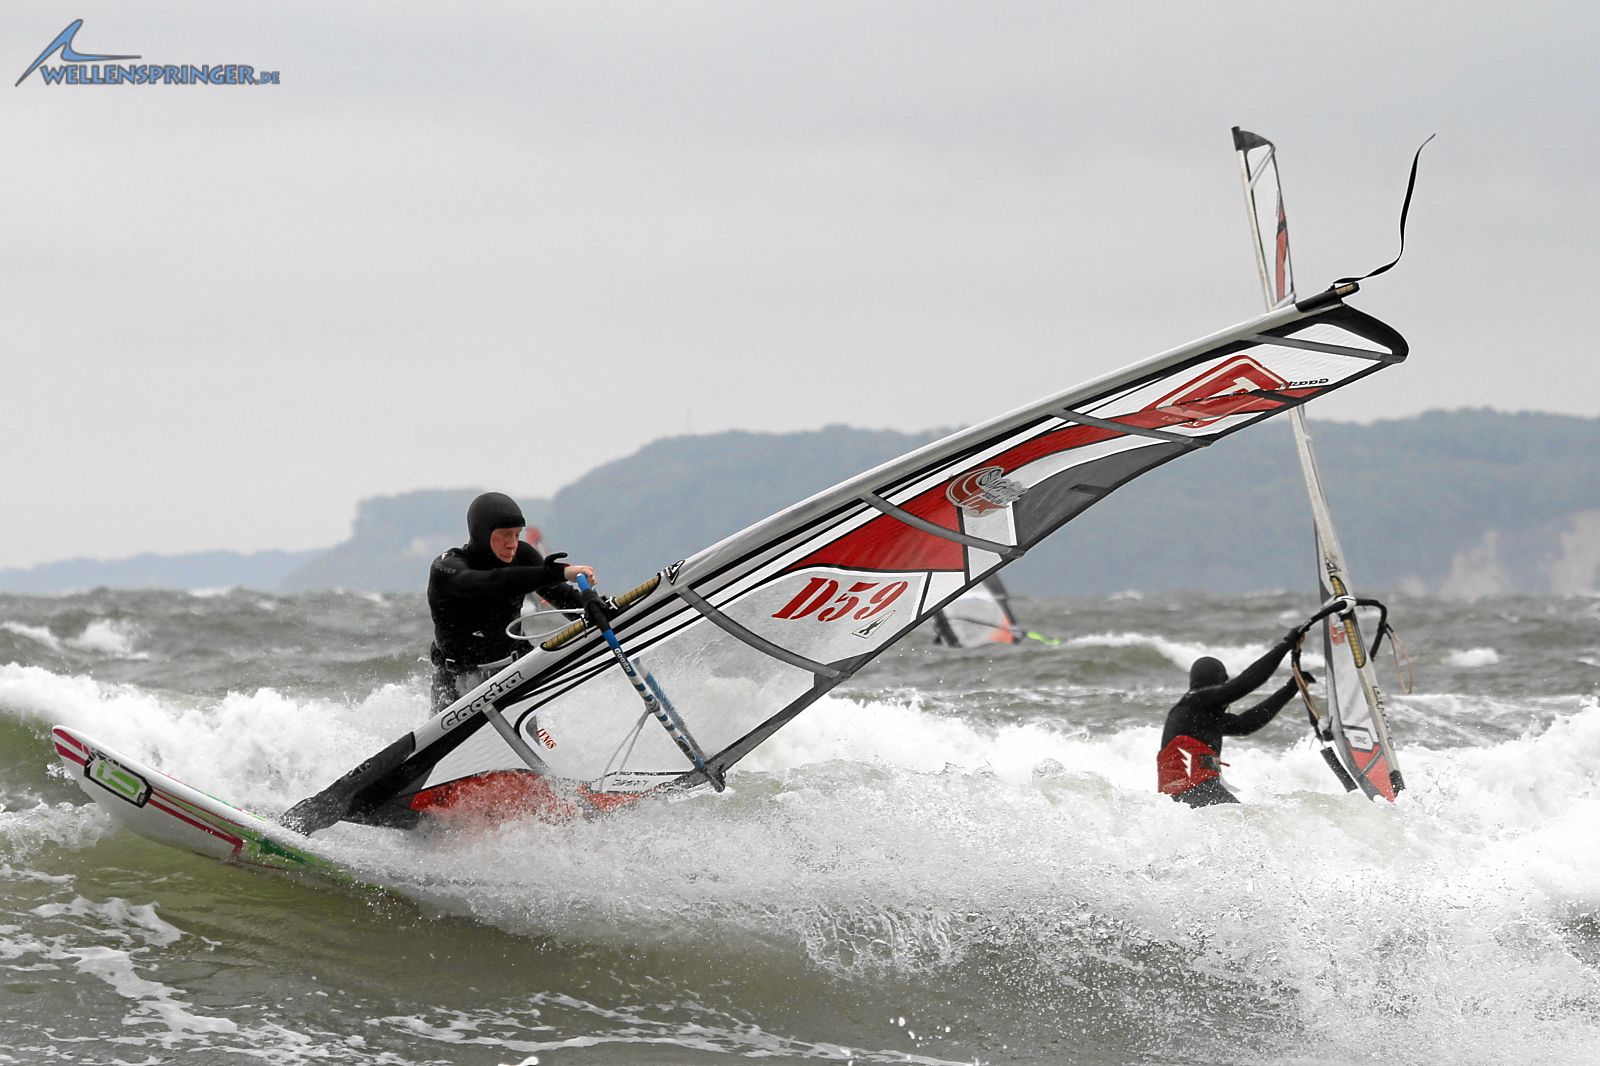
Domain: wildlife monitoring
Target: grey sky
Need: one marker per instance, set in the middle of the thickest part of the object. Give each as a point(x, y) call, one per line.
point(502, 243)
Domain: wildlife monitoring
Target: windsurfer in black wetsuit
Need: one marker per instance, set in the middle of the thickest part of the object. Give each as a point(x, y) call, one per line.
point(1188, 766)
point(476, 590)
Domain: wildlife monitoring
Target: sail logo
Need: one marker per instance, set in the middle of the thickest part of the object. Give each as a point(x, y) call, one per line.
point(984, 490)
point(823, 599)
point(866, 631)
point(1229, 389)
point(73, 67)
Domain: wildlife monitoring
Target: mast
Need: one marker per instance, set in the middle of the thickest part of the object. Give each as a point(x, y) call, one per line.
point(1357, 726)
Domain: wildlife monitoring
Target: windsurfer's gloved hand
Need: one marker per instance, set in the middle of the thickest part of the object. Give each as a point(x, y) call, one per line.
point(610, 607)
point(1294, 635)
point(1310, 678)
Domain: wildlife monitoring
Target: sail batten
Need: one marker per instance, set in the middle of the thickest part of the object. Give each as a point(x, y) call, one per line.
point(905, 517)
point(759, 643)
point(1331, 349)
point(1128, 427)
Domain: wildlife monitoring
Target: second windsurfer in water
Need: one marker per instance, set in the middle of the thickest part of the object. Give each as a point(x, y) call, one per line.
point(1188, 766)
point(476, 590)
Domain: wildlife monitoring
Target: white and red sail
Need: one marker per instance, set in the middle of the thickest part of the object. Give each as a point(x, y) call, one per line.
point(745, 634)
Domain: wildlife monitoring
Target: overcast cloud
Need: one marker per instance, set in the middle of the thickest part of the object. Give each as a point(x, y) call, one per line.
point(500, 243)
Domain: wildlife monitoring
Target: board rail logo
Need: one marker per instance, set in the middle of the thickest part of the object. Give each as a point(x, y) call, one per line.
point(86, 68)
point(117, 779)
point(1226, 389)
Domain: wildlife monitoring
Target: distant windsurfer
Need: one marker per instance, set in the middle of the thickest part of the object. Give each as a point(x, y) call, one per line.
point(476, 590)
point(1188, 767)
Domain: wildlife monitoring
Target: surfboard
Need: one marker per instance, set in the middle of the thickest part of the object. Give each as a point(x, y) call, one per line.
point(167, 811)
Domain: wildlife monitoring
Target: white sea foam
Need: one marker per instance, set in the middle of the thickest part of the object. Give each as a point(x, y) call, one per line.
point(152, 999)
point(133, 922)
point(881, 837)
point(101, 636)
point(122, 946)
point(257, 749)
point(1181, 653)
point(107, 940)
point(108, 637)
point(1471, 657)
point(24, 832)
point(38, 634)
point(635, 1026)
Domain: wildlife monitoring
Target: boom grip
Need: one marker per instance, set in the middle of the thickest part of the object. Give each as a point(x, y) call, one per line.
point(573, 631)
point(593, 609)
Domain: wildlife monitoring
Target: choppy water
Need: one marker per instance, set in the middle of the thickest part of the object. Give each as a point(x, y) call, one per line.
point(959, 858)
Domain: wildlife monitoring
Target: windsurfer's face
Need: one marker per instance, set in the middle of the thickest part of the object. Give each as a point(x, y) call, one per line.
point(503, 542)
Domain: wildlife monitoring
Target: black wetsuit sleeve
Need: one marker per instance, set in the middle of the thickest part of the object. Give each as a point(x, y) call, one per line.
point(452, 577)
point(563, 595)
point(1246, 722)
point(1249, 679)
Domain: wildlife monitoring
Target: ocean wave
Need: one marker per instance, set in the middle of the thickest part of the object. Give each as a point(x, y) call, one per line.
point(262, 749)
point(912, 852)
point(38, 634)
point(1180, 653)
point(1472, 657)
point(108, 637)
point(1319, 908)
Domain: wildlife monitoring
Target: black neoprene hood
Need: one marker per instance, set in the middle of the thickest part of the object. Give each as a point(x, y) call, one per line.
point(1206, 672)
point(489, 512)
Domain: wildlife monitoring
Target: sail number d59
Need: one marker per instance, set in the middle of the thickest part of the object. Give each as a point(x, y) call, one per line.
point(822, 597)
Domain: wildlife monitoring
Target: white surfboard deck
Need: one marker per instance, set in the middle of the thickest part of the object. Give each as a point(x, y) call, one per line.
point(166, 810)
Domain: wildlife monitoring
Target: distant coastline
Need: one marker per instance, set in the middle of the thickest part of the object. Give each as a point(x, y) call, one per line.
point(1457, 503)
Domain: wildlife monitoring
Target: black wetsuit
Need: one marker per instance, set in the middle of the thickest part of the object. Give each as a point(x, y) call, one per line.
point(473, 596)
point(1202, 714)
